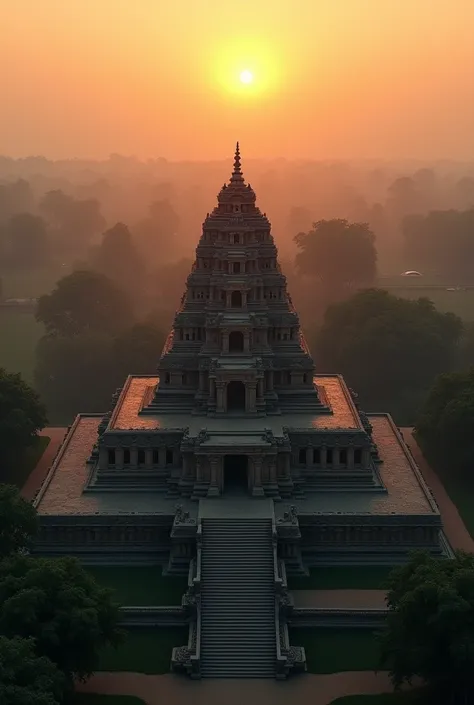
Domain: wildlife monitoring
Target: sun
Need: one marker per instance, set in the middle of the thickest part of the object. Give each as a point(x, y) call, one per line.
point(246, 77)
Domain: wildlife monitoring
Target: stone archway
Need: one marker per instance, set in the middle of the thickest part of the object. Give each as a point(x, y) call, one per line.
point(236, 341)
point(236, 396)
point(236, 299)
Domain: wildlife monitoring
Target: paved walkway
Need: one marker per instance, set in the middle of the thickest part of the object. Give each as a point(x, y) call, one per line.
point(364, 599)
point(309, 689)
point(454, 527)
point(37, 476)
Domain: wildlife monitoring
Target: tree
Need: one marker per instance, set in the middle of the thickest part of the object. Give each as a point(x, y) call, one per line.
point(84, 301)
point(26, 240)
point(337, 253)
point(21, 415)
point(118, 258)
point(75, 373)
point(156, 235)
point(60, 605)
point(137, 351)
point(75, 222)
point(18, 522)
point(389, 349)
point(27, 679)
point(446, 420)
point(429, 631)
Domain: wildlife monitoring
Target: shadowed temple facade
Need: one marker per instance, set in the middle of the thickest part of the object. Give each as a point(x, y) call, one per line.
point(236, 462)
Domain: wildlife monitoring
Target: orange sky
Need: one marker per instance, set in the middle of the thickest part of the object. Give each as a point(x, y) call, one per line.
point(333, 78)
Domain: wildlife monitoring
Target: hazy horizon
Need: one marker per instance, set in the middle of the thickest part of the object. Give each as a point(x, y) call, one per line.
point(340, 79)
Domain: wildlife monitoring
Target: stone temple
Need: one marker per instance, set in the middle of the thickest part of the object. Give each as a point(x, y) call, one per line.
point(236, 462)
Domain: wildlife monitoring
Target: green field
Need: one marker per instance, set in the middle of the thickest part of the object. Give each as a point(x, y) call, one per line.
point(342, 578)
point(141, 585)
point(144, 651)
point(332, 650)
point(19, 335)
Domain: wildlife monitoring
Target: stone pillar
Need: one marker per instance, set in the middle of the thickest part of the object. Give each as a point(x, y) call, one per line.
point(228, 299)
point(119, 458)
point(257, 489)
point(250, 396)
point(246, 341)
point(162, 457)
point(212, 388)
point(202, 381)
point(324, 457)
point(149, 458)
point(335, 457)
point(272, 471)
point(198, 469)
point(309, 457)
point(270, 380)
point(225, 341)
point(260, 389)
point(216, 469)
point(221, 396)
point(365, 458)
point(104, 457)
point(350, 458)
point(244, 299)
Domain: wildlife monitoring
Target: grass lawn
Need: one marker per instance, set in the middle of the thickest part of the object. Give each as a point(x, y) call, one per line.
point(17, 470)
point(141, 585)
point(99, 699)
point(408, 697)
point(146, 650)
point(19, 335)
point(333, 650)
point(342, 577)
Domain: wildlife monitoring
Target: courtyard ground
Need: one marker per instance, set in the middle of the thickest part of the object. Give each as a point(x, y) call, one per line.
point(309, 689)
point(100, 699)
point(454, 525)
point(35, 478)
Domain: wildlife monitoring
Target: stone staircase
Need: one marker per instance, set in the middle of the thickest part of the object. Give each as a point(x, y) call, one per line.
point(238, 638)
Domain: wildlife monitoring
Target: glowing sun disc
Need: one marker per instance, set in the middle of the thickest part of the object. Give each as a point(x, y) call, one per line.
point(246, 76)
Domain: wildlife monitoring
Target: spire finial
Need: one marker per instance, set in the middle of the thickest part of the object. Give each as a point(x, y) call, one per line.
point(237, 173)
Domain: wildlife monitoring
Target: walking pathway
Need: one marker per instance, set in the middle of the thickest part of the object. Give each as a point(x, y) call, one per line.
point(38, 475)
point(454, 527)
point(309, 689)
point(364, 599)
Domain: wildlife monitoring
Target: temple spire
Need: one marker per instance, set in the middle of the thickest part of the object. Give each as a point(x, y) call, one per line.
point(237, 175)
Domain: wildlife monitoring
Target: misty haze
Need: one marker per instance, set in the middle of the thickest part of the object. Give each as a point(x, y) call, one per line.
point(236, 352)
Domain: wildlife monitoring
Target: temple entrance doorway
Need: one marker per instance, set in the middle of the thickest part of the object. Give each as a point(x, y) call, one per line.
point(236, 396)
point(236, 341)
point(235, 474)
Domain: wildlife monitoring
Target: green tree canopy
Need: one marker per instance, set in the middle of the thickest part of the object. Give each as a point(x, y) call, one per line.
point(21, 415)
point(337, 253)
point(118, 258)
point(446, 421)
point(25, 678)
point(18, 521)
point(430, 626)
point(26, 242)
point(84, 301)
point(58, 604)
point(389, 349)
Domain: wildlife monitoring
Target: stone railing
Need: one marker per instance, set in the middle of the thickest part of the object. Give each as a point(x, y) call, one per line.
point(188, 658)
point(168, 343)
point(338, 617)
point(157, 616)
point(288, 658)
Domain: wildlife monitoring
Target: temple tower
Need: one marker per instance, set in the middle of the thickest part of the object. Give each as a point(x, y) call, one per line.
point(236, 345)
